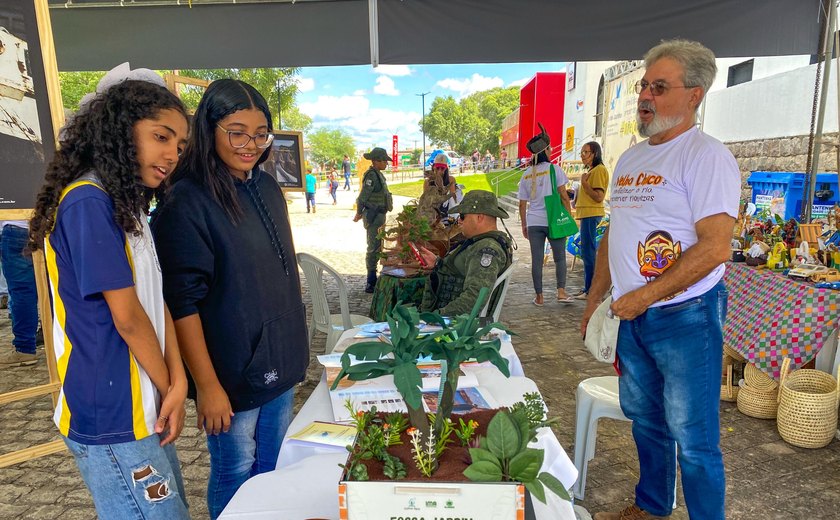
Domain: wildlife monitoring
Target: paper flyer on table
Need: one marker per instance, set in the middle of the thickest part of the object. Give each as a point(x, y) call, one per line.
point(325, 434)
point(389, 401)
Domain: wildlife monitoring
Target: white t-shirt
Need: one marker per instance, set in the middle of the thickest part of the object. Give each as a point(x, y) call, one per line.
point(535, 187)
point(657, 196)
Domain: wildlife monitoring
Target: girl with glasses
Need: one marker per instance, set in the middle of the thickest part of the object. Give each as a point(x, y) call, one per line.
point(231, 280)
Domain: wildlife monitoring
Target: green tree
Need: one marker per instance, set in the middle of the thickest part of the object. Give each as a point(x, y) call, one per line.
point(330, 145)
point(294, 119)
point(474, 122)
point(264, 80)
point(74, 86)
point(415, 156)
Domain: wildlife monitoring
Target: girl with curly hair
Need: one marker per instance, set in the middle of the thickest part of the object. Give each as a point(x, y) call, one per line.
point(123, 385)
point(231, 280)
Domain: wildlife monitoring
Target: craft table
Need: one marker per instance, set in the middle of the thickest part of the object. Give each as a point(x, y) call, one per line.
point(770, 317)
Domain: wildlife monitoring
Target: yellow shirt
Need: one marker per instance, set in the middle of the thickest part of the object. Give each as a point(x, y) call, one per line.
point(585, 206)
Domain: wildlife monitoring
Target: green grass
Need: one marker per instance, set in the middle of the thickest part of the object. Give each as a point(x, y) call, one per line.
point(478, 181)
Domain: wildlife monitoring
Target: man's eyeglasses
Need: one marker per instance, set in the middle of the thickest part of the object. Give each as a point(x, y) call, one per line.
point(239, 139)
point(462, 216)
point(657, 88)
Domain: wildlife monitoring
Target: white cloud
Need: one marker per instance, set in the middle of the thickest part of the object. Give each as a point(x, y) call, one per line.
point(385, 86)
point(305, 84)
point(475, 83)
point(333, 108)
point(360, 92)
point(368, 126)
point(519, 82)
point(393, 70)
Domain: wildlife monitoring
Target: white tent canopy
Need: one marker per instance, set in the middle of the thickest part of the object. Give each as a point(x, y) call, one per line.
point(168, 34)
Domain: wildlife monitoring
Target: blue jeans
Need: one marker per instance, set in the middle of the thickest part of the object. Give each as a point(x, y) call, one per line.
point(346, 181)
point(132, 480)
point(23, 295)
point(588, 248)
point(310, 198)
point(537, 235)
point(669, 387)
point(249, 448)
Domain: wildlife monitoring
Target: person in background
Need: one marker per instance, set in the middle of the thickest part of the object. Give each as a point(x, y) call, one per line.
point(346, 168)
point(503, 157)
point(589, 208)
point(534, 187)
point(373, 204)
point(438, 188)
point(311, 182)
point(488, 161)
point(664, 252)
point(333, 186)
point(230, 277)
point(123, 386)
point(22, 293)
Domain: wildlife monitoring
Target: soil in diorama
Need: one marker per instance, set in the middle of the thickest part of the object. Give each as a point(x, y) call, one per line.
point(452, 462)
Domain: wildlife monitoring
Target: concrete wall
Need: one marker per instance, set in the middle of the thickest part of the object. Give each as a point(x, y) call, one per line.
point(585, 93)
point(769, 107)
point(785, 154)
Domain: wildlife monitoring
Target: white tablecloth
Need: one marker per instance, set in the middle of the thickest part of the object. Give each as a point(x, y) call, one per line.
point(305, 484)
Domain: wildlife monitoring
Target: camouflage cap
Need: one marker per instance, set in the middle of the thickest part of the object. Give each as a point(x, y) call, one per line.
point(482, 202)
point(377, 154)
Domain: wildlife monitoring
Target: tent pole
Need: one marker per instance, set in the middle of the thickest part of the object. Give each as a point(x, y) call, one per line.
point(373, 21)
point(815, 154)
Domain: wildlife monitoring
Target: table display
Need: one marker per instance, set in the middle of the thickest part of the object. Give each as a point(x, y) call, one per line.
point(305, 484)
point(771, 317)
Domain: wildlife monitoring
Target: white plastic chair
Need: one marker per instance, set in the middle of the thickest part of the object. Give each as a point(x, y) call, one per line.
point(322, 320)
point(596, 397)
point(504, 281)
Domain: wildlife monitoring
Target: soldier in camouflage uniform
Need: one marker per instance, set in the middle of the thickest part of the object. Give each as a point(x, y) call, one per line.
point(477, 262)
point(373, 203)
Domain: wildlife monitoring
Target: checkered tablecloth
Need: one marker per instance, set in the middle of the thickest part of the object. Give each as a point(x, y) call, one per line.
point(771, 317)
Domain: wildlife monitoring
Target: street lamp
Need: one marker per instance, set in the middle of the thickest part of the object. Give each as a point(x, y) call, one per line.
point(279, 106)
point(423, 125)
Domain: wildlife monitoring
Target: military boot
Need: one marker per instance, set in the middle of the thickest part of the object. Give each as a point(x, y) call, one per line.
point(371, 282)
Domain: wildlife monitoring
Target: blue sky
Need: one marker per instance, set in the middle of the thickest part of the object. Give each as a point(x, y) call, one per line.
point(373, 104)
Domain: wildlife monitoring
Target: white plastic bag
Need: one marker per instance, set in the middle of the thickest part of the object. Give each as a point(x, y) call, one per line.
point(602, 333)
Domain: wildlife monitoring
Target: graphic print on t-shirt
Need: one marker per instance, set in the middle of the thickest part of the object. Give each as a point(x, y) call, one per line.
point(657, 254)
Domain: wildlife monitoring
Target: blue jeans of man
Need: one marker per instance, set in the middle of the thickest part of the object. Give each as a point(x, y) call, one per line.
point(310, 199)
point(669, 387)
point(249, 447)
point(132, 480)
point(346, 181)
point(588, 248)
point(23, 295)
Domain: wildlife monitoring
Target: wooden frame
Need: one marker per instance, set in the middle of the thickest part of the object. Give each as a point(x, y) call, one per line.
point(286, 162)
point(46, 93)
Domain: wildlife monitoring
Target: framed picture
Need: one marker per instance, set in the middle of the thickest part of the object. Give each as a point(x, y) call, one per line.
point(286, 160)
point(27, 121)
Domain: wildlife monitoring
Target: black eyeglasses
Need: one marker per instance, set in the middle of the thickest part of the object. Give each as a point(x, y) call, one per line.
point(657, 88)
point(239, 139)
point(462, 216)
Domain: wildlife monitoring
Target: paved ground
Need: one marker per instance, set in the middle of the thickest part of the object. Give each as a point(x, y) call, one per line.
point(766, 478)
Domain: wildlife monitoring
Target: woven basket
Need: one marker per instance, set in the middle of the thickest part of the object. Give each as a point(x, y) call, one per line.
point(808, 401)
point(728, 390)
point(758, 379)
point(757, 403)
point(731, 352)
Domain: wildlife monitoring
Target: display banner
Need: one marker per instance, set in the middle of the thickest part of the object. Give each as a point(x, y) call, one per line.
point(395, 159)
point(27, 138)
point(619, 131)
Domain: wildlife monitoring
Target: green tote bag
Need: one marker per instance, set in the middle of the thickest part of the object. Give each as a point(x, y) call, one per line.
point(560, 223)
